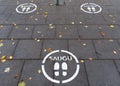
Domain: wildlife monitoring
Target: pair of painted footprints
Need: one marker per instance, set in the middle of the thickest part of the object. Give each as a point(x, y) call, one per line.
point(64, 67)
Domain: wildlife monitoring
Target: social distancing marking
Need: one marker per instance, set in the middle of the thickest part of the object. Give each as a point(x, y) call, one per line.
point(61, 64)
point(91, 8)
point(26, 8)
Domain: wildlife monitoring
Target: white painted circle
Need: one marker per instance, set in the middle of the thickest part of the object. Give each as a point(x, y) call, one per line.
point(26, 8)
point(91, 8)
point(58, 81)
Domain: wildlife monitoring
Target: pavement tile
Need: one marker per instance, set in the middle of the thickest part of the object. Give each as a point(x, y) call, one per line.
point(118, 64)
point(56, 19)
point(28, 49)
point(7, 47)
point(30, 70)
point(83, 49)
point(5, 30)
point(36, 19)
point(18, 19)
point(50, 45)
point(111, 31)
point(81, 77)
point(10, 72)
point(111, 20)
point(72, 18)
point(21, 31)
point(89, 31)
point(66, 31)
point(107, 49)
point(96, 70)
point(3, 18)
point(43, 31)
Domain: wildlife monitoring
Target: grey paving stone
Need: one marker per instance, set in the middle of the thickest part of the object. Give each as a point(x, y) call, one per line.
point(30, 70)
point(66, 31)
point(36, 19)
point(91, 19)
point(96, 70)
point(21, 31)
point(111, 20)
point(81, 78)
point(43, 31)
point(5, 30)
point(50, 45)
point(28, 49)
point(83, 49)
point(3, 18)
point(89, 31)
point(56, 19)
point(18, 19)
point(72, 18)
point(107, 49)
point(111, 32)
point(2, 9)
point(9, 78)
point(7, 47)
point(118, 64)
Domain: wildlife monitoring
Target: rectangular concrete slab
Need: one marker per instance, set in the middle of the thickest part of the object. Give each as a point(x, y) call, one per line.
point(107, 49)
point(82, 49)
point(51, 45)
point(5, 31)
point(44, 31)
point(102, 73)
point(7, 47)
point(10, 72)
point(66, 31)
point(21, 31)
point(28, 49)
point(32, 73)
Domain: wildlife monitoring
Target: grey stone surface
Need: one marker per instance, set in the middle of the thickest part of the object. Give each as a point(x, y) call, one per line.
point(66, 31)
point(5, 31)
point(118, 64)
point(89, 32)
point(81, 77)
point(83, 49)
point(43, 31)
point(30, 70)
point(51, 45)
point(9, 78)
point(7, 47)
point(107, 49)
point(28, 49)
point(102, 73)
point(21, 31)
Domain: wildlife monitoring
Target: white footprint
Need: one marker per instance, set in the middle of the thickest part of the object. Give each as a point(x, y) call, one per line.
point(56, 68)
point(64, 68)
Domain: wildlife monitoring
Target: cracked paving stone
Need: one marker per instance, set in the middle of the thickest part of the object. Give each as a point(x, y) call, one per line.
point(28, 49)
point(7, 47)
point(107, 49)
point(67, 31)
point(82, 49)
point(10, 72)
point(21, 31)
point(96, 70)
point(43, 31)
point(31, 76)
point(5, 30)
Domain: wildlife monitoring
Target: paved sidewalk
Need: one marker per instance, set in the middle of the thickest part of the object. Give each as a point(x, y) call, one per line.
point(25, 39)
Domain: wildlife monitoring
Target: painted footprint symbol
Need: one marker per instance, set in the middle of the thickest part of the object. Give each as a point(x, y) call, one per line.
point(57, 68)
